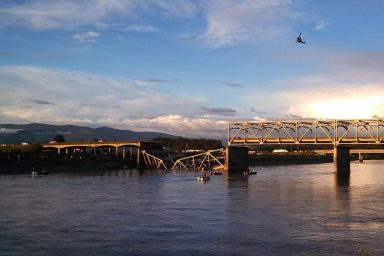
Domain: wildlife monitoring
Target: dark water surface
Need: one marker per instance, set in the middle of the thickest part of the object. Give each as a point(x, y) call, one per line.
point(283, 210)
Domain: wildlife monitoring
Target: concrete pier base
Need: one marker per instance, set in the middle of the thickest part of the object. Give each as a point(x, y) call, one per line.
point(236, 159)
point(139, 159)
point(341, 159)
point(361, 157)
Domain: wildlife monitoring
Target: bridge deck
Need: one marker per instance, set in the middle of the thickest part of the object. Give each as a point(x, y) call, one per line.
point(115, 144)
point(315, 140)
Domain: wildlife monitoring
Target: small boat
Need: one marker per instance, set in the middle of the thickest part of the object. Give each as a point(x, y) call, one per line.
point(216, 173)
point(250, 172)
point(204, 177)
point(40, 173)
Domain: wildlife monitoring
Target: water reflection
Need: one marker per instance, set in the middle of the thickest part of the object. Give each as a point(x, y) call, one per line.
point(342, 211)
point(116, 173)
point(235, 180)
point(283, 210)
point(342, 179)
point(150, 172)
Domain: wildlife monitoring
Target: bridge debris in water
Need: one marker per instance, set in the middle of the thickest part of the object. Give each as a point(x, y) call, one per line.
point(212, 159)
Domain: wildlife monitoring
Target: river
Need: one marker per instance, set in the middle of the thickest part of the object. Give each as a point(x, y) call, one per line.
point(283, 210)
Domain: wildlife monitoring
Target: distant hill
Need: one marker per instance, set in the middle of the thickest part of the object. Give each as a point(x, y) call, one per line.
point(37, 133)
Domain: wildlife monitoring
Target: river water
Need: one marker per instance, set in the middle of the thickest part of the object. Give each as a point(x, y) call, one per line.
point(283, 210)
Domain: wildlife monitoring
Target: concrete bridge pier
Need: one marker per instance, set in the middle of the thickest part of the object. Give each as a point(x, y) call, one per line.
point(341, 159)
point(139, 159)
point(236, 159)
point(361, 157)
point(130, 153)
point(124, 153)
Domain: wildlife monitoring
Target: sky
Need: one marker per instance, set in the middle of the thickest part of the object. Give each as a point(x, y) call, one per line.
point(189, 67)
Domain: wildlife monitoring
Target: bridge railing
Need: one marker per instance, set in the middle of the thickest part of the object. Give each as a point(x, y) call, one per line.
point(361, 131)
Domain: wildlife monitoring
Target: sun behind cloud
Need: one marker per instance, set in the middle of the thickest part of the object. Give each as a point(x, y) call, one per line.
point(343, 108)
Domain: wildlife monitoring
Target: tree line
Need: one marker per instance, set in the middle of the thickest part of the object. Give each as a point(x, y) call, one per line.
point(180, 143)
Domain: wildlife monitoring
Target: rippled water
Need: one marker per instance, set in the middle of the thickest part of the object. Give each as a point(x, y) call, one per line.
point(283, 210)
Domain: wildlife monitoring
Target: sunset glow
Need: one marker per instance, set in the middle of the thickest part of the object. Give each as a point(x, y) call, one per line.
point(347, 108)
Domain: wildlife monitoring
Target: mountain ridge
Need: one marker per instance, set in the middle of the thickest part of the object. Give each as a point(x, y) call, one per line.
point(40, 132)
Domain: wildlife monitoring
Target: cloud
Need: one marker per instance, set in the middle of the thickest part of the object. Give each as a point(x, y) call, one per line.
point(219, 111)
point(141, 28)
point(40, 102)
point(349, 86)
point(233, 84)
point(92, 105)
point(151, 81)
point(181, 125)
point(322, 97)
point(180, 8)
point(64, 14)
point(109, 102)
point(257, 111)
point(231, 22)
point(227, 21)
point(320, 25)
point(86, 37)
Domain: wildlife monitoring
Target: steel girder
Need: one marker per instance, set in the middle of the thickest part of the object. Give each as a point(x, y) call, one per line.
point(360, 131)
point(207, 159)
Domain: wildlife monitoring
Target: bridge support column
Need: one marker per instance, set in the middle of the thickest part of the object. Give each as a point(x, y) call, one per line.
point(124, 153)
point(236, 159)
point(341, 159)
point(361, 157)
point(139, 158)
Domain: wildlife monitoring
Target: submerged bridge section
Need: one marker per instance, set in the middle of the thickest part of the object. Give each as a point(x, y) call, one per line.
point(342, 134)
point(144, 154)
point(211, 159)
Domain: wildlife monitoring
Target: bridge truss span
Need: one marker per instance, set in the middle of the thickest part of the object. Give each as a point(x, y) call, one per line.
point(336, 132)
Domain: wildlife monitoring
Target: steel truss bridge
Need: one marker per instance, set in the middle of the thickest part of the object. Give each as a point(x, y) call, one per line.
point(211, 159)
point(145, 154)
point(331, 132)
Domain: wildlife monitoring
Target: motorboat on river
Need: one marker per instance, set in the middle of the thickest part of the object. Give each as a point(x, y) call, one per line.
point(250, 172)
point(204, 177)
point(40, 173)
